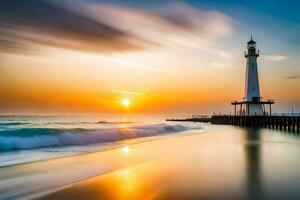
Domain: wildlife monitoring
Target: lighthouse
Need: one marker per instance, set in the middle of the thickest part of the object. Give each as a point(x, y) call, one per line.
point(252, 104)
point(252, 91)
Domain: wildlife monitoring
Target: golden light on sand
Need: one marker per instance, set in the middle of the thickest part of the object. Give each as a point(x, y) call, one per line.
point(126, 102)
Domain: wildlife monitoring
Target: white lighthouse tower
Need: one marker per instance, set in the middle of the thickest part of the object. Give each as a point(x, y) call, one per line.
point(252, 104)
point(252, 93)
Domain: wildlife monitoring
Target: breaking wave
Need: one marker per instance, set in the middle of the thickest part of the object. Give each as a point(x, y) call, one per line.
point(30, 138)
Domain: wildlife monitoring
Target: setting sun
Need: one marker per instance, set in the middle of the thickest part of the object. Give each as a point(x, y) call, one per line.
point(126, 102)
point(126, 150)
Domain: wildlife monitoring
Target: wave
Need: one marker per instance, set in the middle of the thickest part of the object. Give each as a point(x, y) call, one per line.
point(112, 122)
point(98, 122)
point(31, 138)
point(12, 123)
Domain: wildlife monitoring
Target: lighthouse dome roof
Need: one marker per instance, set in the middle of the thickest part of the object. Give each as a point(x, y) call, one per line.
point(251, 42)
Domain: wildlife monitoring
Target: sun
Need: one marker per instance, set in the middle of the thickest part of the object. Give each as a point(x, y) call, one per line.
point(126, 102)
point(126, 150)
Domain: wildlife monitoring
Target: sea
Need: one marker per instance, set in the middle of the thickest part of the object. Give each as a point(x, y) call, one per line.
point(40, 155)
point(33, 138)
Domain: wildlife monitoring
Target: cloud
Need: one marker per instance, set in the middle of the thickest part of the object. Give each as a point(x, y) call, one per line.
point(102, 28)
point(293, 77)
point(132, 93)
point(128, 92)
point(209, 24)
point(24, 24)
point(176, 24)
point(275, 57)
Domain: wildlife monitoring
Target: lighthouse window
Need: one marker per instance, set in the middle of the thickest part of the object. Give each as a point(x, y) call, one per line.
point(253, 88)
point(252, 65)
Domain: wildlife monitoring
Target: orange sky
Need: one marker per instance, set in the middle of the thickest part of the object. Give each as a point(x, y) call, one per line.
point(73, 82)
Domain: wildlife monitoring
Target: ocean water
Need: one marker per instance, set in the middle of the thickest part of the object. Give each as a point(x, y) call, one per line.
point(32, 138)
point(146, 156)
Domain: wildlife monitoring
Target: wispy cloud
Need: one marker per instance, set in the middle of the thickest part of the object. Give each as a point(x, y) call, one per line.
point(176, 24)
point(128, 92)
point(293, 77)
point(24, 24)
point(132, 93)
point(106, 28)
point(275, 57)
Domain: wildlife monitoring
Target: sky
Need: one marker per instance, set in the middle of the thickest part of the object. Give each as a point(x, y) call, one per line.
point(173, 57)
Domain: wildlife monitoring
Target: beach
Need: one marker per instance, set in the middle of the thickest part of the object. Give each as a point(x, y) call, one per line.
point(215, 162)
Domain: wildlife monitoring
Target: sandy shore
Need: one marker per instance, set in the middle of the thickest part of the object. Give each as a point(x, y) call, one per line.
point(226, 164)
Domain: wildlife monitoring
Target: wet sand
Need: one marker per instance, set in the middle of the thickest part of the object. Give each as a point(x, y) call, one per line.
point(232, 163)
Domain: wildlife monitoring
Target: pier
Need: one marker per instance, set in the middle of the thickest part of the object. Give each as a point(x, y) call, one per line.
point(289, 123)
point(191, 119)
